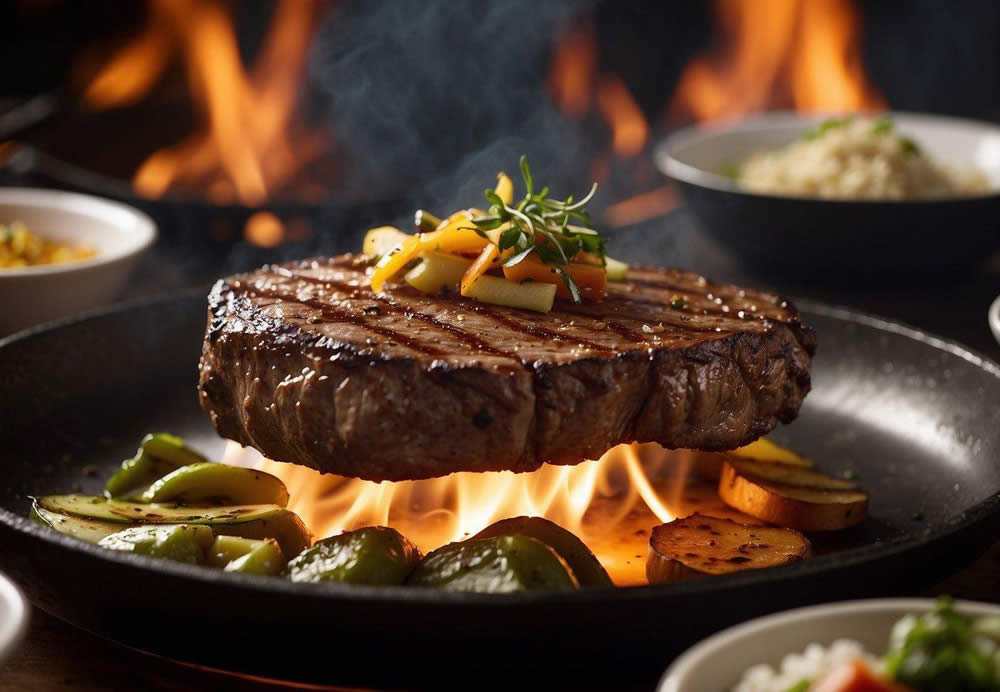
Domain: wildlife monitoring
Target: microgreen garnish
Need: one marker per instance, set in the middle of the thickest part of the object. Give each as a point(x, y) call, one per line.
point(882, 126)
point(557, 231)
point(828, 124)
point(909, 146)
point(731, 170)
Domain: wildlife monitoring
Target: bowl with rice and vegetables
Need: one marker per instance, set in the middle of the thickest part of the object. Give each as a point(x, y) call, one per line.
point(62, 253)
point(879, 645)
point(847, 195)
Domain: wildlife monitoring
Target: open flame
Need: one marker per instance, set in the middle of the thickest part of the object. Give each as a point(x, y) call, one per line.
point(611, 503)
point(252, 142)
point(575, 89)
point(802, 54)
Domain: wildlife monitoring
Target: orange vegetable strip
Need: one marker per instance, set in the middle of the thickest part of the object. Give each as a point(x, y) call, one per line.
point(590, 279)
point(479, 267)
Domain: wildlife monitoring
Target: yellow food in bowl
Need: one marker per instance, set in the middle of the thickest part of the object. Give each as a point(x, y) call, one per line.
point(19, 247)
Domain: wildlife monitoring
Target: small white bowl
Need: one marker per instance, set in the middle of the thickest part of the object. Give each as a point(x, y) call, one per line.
point(718, 663)
point(994, 317)
point(119, 234)
point(13, 617)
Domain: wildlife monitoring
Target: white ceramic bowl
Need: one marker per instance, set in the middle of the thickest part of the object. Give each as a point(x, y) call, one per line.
point(841, 238)
point(13, 617)
point(718, 662)
point(995, 318)
point(120, 234)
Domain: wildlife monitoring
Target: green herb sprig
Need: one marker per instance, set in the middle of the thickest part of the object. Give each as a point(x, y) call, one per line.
point(555, 230)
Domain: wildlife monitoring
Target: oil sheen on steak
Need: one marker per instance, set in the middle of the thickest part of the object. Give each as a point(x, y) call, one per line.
point(305, 363)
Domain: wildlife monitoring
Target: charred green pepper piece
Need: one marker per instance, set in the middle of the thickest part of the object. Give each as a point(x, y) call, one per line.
point(247, 556)
point(181, 542)
point(586, 567)
point(372, 555)
point(504, 564)
point(158, 455)
point(218, 484)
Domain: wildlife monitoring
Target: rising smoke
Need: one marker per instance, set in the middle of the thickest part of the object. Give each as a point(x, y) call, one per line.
point(433, 97)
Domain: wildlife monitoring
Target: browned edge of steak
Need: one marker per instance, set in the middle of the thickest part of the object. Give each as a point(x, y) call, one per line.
point(362, 413)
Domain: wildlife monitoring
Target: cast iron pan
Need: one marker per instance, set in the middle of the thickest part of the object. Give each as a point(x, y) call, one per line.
point(915, 416)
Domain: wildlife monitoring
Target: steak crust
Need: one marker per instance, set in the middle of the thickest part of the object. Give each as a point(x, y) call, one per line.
point(305, 363)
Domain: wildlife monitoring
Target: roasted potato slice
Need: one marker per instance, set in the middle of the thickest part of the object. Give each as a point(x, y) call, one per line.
point(765, 450)
point(794, 497)
point(787, 474)
point(708, 465)
point(698, 545)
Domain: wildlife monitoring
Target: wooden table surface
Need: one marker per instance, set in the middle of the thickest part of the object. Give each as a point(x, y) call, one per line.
point(56, 656)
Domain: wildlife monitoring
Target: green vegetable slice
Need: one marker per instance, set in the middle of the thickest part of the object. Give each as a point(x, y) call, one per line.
point(247, 521)
point(375, 555)
point(221, 483)
point(585, 565)
point(181, 542)
point(504, 564)
point(89, 530)
point(158, 455)
point(247, 555)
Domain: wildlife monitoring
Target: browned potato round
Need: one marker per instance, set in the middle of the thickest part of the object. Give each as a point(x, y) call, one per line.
point(699, 545)
point(789, 496)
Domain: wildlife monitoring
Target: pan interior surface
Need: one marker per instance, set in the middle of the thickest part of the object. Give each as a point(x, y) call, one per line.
point(913, 417)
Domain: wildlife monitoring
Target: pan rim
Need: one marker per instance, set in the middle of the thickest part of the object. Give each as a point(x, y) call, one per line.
point(979, 513)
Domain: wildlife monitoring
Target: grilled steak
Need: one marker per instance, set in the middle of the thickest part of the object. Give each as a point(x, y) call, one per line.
point(305, 363)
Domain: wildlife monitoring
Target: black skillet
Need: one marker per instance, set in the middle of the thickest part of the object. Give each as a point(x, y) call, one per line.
point(916, 417)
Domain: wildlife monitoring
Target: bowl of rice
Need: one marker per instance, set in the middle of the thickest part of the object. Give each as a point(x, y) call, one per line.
point(62, 253)
point(912, 643)
point(861, 195)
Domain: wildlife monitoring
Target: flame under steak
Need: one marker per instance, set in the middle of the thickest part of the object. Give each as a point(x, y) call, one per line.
point(305, 363)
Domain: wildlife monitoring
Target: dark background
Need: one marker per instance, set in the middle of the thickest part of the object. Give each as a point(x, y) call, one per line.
point(923, 55)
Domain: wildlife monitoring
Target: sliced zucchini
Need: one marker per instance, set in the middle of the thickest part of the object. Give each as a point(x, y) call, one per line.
point(585, 565)
point(170, 448)
point(617, 271)
point(137, 474)
point(89, 530)
point(436, 272)
point(698, 545)
point(283, 526)
point(504, 564)
point(532, 295)
point(264, 557)
point(375, 555)
point(246, 521)
point(218, 483)
point(181, 542)
point(158, 455)
point(225, 549)
point(803, 499)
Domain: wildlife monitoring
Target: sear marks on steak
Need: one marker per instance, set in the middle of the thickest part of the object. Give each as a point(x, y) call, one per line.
point(305, 363)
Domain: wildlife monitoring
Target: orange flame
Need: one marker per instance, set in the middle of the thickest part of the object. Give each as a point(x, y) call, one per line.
point(252, 143)
point(645, 205)
point(611, 504)
point(629, 130)
point(803, 54)
point(571, 76)
point(574, 89)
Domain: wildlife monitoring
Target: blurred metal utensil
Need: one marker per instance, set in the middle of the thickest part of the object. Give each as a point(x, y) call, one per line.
point(24, 115)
